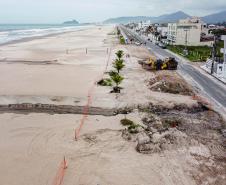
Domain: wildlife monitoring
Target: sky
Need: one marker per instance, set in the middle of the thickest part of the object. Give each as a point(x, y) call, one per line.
point(58, 11)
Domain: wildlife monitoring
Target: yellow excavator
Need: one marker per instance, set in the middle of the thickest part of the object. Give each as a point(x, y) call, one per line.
point(157, 64)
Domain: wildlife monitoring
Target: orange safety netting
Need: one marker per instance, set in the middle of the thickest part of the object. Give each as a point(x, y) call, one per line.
point(58, 180)
point(89, 100)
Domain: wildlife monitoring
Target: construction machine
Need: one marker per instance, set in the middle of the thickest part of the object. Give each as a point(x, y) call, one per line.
point(158, 64)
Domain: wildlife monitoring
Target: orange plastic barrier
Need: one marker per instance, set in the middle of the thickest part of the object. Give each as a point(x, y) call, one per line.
point(89, 100)
point(58, 180)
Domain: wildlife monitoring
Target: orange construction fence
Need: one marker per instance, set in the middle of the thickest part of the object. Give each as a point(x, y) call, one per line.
point(89, 100)
point(58, 180)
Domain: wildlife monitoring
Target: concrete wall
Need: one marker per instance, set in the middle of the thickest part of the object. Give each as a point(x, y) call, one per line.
point(177, 33)
point(193, 37)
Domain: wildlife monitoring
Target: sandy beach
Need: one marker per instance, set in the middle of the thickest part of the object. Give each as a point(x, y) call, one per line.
point(63, 70)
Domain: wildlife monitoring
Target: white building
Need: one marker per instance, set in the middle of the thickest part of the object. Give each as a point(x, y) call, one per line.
point(187, 32)
point(143, 24)
point(219, 68)
point(163, 30)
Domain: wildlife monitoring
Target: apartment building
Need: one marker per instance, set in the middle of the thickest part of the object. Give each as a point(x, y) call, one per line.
point(187, 32)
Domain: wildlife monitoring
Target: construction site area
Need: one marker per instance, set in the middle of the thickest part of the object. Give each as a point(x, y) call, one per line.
point(59, 127)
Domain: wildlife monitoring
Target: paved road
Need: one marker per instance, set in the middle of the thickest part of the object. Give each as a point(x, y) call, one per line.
point(211, 87)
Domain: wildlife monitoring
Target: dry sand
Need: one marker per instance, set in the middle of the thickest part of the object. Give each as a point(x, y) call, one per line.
point(32, 146)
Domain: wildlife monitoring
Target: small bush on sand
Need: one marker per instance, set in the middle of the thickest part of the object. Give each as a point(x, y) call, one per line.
point(119, 65)
point(131, 126)
point(117, 79)
point(122, 40)
point(119, 54)
point(133, 129)
point(126, 122)
point(105, 82)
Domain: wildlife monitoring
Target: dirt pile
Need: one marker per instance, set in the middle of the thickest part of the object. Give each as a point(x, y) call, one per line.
point(177, 127)
point(170, 82)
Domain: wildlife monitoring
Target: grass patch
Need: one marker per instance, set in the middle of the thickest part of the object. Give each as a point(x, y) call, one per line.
point(196, 53)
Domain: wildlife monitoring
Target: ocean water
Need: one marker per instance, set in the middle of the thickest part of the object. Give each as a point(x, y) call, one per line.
point(13, 32)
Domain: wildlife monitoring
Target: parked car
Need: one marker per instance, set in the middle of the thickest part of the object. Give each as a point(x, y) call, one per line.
point(161, 45)
point(156, 43)
point(138, 43)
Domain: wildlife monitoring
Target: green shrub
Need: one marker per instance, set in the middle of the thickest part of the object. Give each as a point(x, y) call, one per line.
point(122, 40)
point(131, 126)
point(133, 129)
point(118, 64)
point(105, 82)
point(117, 79)
point(126, 122)
point(119, 54)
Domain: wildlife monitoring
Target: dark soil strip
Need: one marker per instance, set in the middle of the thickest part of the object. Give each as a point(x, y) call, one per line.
point(27, 108)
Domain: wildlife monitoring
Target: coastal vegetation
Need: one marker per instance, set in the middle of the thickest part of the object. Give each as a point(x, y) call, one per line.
point(115, 78)
point(105, 82)
point(115, 75)
point(122, 40)
point(131, 126)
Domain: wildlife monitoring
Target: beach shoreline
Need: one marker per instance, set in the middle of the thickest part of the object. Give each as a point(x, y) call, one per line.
point(27, 39)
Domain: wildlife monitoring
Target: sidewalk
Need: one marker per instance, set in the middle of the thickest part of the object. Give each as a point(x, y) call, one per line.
point(203, 67)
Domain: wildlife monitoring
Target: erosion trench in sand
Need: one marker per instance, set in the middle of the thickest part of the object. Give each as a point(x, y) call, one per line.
point(42, 105)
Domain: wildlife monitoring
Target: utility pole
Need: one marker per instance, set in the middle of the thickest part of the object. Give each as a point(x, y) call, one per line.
point(186, 42)
point(223, 37)
point(186, 39)
point(213, 53)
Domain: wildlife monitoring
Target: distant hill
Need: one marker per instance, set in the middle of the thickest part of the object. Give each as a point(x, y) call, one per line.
point(215, 18)
point(161, 19)
point(124, 20)
point(174, 17)
point(71, 22)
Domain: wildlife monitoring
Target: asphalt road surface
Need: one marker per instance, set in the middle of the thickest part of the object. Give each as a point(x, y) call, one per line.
point(212, 88)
